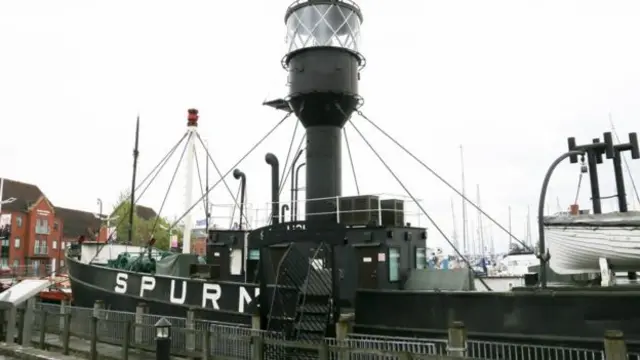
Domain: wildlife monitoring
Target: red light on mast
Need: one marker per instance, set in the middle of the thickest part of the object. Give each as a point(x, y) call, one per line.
point(192, 118)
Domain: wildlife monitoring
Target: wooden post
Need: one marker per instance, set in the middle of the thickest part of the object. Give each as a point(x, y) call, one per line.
point(66, 333)
point(10, 316)
point(93, 350)
point(323, 351)
point(457, 343)
point(258, 347)
point(43, 327)
point(206, 344)
point(190, 334)
point(141, 311)
point(63, 310)
point(125, 340)
point(256, 321)
point(614, 346)
point(343, 328)
point(28, 319)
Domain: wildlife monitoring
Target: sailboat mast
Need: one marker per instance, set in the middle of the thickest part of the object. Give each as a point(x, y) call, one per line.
point(528, 238)
point(133, 181)
point(480, 228)
point(465, 246)
point(510, 232)
point(455, 226)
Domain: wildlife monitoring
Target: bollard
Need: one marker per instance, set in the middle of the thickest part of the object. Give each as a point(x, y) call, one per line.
point(614, 345)
point(163, 339)
point(457, 342)
point(258, 348)
point(141, 310)
point(191, 334)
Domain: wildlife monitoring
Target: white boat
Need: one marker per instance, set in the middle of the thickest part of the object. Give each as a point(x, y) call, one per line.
point(577, 242)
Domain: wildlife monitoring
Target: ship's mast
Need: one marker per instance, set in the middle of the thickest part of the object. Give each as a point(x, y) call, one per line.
point(465, 245)
point(133, 182)
point(192, 128)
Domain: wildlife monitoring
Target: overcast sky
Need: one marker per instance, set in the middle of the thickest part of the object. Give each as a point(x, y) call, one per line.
point(508, 80)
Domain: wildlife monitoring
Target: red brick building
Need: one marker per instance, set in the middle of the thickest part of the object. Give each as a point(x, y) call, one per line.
point(34, 233)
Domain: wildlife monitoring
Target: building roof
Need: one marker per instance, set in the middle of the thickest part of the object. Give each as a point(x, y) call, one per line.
point(25, 194)
point(76, 223)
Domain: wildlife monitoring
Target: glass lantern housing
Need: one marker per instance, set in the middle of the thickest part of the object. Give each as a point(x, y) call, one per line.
point(313, 23)
point(163, 328)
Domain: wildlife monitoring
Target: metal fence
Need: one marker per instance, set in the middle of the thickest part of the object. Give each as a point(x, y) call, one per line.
point(235, 341)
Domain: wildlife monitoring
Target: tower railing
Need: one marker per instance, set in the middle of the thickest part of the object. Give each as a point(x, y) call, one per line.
point(370, 214)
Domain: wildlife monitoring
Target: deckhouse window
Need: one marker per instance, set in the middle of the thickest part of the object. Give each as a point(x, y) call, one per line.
point(235, 262)
point(254, 254)
point(394, 264)
point(421, 258)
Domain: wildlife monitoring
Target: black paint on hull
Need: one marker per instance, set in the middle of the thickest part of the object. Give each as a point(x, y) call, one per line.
point(164, 295)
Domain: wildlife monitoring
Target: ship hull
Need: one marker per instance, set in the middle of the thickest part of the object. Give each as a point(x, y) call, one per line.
point(227, 302)
point(576, 243)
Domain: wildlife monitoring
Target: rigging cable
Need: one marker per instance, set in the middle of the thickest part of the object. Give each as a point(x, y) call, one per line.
point(226, 185)
point(353, 166)
point(442, 179)
point(173, 178)
point(157, 169)
point(626, 163)
point(204, 198)
point(234, 166)
point(384, 163)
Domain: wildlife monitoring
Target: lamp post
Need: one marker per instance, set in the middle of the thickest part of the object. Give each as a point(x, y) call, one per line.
point(100, 207)
point(163, 339)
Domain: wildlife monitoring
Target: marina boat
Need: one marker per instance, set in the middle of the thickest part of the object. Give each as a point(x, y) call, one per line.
point(315, 260)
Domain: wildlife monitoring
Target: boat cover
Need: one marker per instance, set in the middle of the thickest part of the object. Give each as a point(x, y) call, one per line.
point(436, 279)
point(176, 265)
point(631, 218)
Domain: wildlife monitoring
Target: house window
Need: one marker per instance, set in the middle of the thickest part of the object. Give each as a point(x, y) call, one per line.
point(421, 258)
point(19, 221)
point(40, 246)
point(55, 226)
point(54, 244)
point(42, 225)
point(16, 263)
point(5, 242)
point(394, 264)
point(4, 262)
point(61, 263)
point(62, 245)
point(16, 243)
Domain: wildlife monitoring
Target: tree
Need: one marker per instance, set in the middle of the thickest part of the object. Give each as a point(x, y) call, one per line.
point(143, 229)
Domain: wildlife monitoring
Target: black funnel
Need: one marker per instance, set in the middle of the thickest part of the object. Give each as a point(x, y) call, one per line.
point(275, 187)
point(323, 92)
